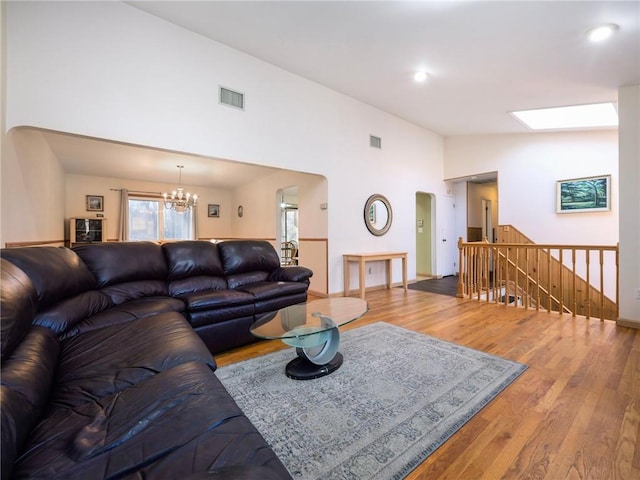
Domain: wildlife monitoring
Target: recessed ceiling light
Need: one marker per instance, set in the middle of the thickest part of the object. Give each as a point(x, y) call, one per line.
point(420, 76)
point(597, 115)
point(602, 32)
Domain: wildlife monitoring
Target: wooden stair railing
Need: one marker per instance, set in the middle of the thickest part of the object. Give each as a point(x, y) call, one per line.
point(538, 276)
point(532, 281)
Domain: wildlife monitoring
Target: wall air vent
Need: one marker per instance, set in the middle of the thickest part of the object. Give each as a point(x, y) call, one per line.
point(375, 142)
point(231, 98)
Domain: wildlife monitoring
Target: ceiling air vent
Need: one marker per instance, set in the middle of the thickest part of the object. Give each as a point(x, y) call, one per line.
point(231, 98)
point(375, 142)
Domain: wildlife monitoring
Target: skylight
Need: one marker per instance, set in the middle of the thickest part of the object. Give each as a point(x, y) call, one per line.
point(597, 115)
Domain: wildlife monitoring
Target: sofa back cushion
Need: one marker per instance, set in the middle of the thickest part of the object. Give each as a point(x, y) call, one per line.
point(127, 291)
point(245, 256)
point(71, 311)
point(56, 272)
point(18, 306)
point(120, 262)
point(192, 258)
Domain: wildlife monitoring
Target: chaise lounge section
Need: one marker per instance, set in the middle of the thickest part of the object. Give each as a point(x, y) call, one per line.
point(104, 370)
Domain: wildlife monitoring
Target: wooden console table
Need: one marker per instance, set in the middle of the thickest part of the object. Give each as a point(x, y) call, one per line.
point(363, 258)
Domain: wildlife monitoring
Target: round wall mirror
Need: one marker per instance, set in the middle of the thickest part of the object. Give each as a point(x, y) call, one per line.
point(377, 214)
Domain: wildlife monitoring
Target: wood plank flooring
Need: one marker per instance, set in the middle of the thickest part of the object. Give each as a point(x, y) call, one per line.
point(573, 415)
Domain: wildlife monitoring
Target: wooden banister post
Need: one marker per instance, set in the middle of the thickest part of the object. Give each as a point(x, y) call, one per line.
point(460, 290)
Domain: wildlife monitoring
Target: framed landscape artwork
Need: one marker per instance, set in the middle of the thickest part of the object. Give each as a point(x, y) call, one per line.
point(589, 194)
point(95, 203)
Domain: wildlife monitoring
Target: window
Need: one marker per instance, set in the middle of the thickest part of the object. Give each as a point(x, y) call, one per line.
point(290, 223)
point(149, 220)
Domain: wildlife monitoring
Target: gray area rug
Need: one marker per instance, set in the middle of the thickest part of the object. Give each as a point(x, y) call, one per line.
point(398, 396)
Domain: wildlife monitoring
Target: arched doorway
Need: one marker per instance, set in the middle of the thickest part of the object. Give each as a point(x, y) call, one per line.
point(425, 220)
point(287, 225)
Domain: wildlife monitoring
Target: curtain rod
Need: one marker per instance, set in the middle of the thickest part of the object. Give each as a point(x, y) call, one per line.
point(134, 191)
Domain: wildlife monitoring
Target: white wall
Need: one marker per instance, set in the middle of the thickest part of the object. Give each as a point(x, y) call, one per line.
point(108, 70)
point(261, 207)
point(529, 166)
point(31, 173)
point(629, 113)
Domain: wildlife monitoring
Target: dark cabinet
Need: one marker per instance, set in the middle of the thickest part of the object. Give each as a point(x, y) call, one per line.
point(87, 230)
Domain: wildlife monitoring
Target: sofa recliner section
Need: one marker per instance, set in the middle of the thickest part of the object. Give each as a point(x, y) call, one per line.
point(104, 370)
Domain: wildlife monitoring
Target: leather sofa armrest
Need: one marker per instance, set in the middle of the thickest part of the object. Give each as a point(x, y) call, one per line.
point(291, 274)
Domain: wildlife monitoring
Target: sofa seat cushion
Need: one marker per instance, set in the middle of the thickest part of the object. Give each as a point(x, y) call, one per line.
point(238, 280)
point(276, 303)
point(27, 376)
point(216, 306)
point(213, 299)
point(16, 420)
point(104, 361)
point(236, 473)
point(126, 312)
point(31, 367)
point(220, 315)
point(266, 290)
point(199, 283)
point(178, 422)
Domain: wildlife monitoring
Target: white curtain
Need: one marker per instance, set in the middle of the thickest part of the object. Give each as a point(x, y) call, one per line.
point(195, 222)
point(124, 215)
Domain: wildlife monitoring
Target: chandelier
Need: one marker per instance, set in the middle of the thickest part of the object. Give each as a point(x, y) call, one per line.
point(179, 200)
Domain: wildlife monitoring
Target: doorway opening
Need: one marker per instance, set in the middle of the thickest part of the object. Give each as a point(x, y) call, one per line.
point(425, 219)
point(287, 226)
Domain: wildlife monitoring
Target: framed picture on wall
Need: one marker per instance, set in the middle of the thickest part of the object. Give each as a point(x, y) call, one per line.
point(213, 210)
point(95, 203)
point(588, 194)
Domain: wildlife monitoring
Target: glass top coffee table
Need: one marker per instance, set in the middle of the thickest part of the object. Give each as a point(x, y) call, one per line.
point(312, 328)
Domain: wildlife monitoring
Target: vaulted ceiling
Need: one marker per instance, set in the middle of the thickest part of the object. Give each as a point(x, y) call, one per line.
point(484, 59)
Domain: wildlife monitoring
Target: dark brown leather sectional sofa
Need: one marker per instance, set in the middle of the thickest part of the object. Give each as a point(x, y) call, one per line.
point(107, 366)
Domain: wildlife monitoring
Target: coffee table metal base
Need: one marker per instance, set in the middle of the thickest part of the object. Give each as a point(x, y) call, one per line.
point(313, 334)
point(302, 369)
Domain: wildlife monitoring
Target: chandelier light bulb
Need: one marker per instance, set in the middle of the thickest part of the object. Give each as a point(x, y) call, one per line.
point(602, 32)
point(420, 76)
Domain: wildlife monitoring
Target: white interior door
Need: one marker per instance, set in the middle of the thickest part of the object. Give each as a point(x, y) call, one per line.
point(448, 237)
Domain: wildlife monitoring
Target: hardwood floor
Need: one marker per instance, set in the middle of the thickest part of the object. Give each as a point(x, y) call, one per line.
point(574, 414)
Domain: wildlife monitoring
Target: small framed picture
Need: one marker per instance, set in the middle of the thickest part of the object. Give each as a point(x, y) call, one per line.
point(95, 203)
point(213, 210)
